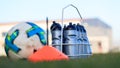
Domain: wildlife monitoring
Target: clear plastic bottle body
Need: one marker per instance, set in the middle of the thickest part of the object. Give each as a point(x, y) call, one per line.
point(56, 35)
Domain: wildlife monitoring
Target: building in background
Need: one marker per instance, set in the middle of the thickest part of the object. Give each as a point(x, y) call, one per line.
point(99, 33)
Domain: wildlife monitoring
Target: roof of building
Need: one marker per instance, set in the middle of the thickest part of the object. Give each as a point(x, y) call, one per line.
point(96, 22)
point(90, 21)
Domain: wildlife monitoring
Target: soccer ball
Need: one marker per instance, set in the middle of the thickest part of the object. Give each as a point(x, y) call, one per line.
point(23, 40)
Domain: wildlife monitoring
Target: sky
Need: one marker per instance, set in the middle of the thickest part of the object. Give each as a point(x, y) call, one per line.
point(26, 10)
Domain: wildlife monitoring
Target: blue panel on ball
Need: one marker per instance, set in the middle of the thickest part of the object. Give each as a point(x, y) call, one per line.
point(9, 43)
point(12, 46)
point(38, 31)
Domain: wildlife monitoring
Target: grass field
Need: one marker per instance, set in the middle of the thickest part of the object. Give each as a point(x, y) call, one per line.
point(111, 60)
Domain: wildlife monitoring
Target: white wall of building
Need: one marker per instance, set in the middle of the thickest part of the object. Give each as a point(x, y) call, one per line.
point(104, 40)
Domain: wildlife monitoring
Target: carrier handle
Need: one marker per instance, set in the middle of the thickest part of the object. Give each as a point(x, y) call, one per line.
point(73, 7)
point(63, 19)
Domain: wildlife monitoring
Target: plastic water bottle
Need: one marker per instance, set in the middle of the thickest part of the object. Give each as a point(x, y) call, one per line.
point(80, 40)
point(56, 35)
point(70, 35)
point(87, 47)
point(84, 46)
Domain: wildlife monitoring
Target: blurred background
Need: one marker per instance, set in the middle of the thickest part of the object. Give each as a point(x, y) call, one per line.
point(100, 18)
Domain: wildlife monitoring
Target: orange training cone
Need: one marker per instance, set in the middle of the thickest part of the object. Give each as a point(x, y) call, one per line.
point(47, 53)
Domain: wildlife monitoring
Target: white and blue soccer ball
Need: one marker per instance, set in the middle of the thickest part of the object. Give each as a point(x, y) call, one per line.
point(23, 40)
